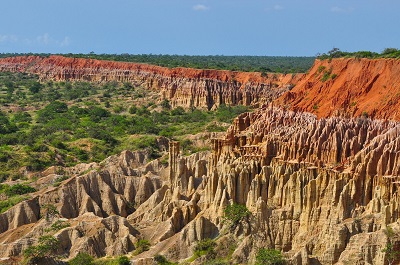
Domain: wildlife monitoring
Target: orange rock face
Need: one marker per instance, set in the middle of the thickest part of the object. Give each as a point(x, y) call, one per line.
point(182, 86)
point(353, 87)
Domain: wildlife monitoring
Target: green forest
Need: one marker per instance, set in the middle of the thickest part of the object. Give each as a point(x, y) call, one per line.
point(337, 53)
point(276, 64)
point(65, 123)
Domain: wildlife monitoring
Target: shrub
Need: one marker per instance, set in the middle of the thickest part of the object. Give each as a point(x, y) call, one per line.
point(141, 246)
point(7, 204)
point(82, 259)
point(58, 225)
point(18, 189)
point(269, 257)
point(50, 211)
point(235, 213)
point(326, 76)
point(46, 247)
point(165, 104)
point(123, 260)
point(321, 68)
point(392, 252)
point(205, 247)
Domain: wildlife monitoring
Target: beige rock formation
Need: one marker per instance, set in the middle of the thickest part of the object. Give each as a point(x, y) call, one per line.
point(182, 86)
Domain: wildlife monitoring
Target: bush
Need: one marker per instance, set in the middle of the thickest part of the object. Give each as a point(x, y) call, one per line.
point(205, 247)
point(82, 259)
point(165, 104)
point(269, 257)
point(58, 225)
point(141, 246)
point(46, 247)
point(7, 204)
point(161, 260)
point(18, 189)
point(235, 213)
point(123, 260)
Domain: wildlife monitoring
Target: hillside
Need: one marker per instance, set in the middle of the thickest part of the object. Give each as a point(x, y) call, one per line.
point(352, 87)
point(316, 189)
point(181, 86)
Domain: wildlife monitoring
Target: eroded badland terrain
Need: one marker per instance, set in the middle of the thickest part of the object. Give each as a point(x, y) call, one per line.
point(317, 165)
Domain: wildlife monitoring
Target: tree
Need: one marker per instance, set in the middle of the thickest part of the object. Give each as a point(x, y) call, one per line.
point(391, 252)
point(35, 87)
point(205, 247)
point(165, 104)
point(269, 257)
point(335, 53)
point(389, 51)
point(141, 246)
point(82, 259)
point(50, 211)
point(46, 248)
point(235, 213)
point(123, 260)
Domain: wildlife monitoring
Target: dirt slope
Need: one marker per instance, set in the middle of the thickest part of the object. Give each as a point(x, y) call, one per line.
point(354, 87)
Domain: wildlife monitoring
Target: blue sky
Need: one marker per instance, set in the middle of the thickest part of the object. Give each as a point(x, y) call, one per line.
point(199, 27)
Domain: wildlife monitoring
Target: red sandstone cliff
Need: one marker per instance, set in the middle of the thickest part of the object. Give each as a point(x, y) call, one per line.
point(182, 86)
point(353, 86)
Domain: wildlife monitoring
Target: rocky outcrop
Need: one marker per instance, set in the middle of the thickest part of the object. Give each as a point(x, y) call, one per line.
point(319, 189)
point(182, 86)
point(349, 87)
point(322, 190)
point(95, 205)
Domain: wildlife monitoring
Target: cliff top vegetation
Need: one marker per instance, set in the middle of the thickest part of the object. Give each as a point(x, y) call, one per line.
point(263, 64)
point(337, 53)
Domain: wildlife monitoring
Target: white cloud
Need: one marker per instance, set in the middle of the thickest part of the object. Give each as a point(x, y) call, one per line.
point(44, 39)
point(8, 38)
point(278, 7)
point(47, 40)
point(337, 9)
point(200, 7)
point(66, 41)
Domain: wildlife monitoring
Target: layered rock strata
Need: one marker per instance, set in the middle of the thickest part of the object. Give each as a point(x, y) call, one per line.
point(323, 191)
point(349, 87)
point(182, 86)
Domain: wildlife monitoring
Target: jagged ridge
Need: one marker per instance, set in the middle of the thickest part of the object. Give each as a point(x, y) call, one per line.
point(182, 86)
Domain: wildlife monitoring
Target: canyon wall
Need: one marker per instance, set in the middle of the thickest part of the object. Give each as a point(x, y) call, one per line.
point(323, 191)
point(182, 86)
point(350, 87)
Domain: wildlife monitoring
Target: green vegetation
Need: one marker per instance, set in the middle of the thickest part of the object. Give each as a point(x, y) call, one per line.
point(82, 259)
point(86, 259)
point(50, 211)
point(205, 247)
point(45, 248)
point(235, 213)
point(161, 260)
point(141, 246)
point(14, 195)
point(269, 257)
point(17, 189)
point(263, 64)
point(10, 202)
point(392, 252)
point(337, 53)
point(58, 225)
point(66, 123)
point(121, 260)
